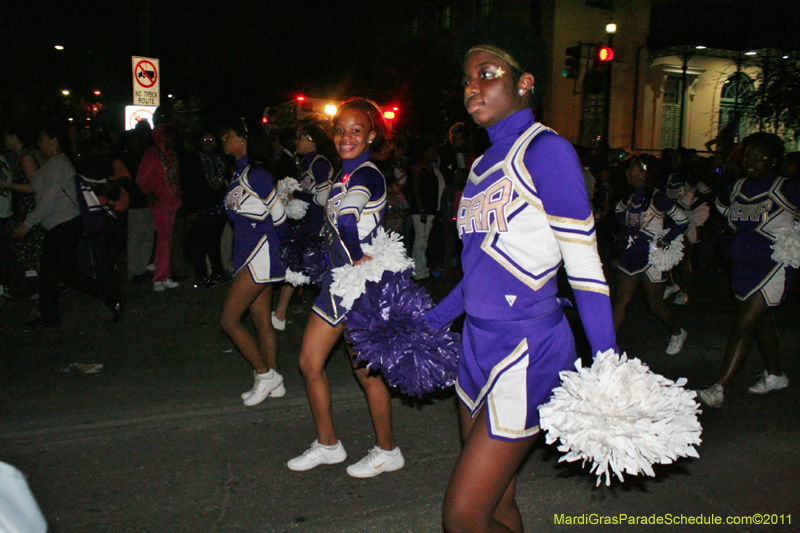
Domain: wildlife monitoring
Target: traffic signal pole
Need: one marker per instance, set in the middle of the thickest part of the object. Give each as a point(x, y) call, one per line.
point(607, 99)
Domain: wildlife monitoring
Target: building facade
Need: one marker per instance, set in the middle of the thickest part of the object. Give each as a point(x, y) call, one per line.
point(679, 73)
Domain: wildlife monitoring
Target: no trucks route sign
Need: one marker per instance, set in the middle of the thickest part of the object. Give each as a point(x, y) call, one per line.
point(146, 81)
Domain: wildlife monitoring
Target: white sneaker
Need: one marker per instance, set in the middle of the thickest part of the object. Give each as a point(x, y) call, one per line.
point(265, 384)
point(168, 283)
point(318, 454)
point(277, 323)
point(681, 298)
point(277, 392)
point(769, 382)
point(676, 342)
point(670, 290)
point(712, 396)
point(376, 462)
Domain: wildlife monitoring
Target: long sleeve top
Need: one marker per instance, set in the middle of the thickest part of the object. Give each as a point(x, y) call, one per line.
point(356, 205)
point(55, 192)
point(525, 212)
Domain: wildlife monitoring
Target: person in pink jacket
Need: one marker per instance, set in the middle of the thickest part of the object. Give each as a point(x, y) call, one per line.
point(158, 177)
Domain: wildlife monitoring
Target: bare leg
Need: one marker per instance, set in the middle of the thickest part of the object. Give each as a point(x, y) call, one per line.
point(768, 343)
point(626, 286)
point(318, 341)
point(749, 315)
point(261, 314)
point(284, 297)
point(380, 404)
point(241, 294)
point(682, 273)
point(653, 293)
point(480, 493)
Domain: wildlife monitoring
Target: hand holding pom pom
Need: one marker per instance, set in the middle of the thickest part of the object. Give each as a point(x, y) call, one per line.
point(388, 254)
point(303, 254)
point(388, 330)
point(665, 255)
point(285, 187)
point(296, 209)
point(786, 248)
point(621, 416)
point(699, 215)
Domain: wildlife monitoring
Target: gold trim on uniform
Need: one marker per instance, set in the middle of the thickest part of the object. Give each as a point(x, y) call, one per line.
point(576, 241)
point(521, 348)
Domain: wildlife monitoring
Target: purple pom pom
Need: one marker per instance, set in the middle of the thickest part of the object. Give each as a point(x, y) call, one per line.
point(302, 251)
point(388, 330)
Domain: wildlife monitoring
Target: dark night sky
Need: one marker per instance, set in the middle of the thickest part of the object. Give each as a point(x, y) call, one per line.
point(239, 55)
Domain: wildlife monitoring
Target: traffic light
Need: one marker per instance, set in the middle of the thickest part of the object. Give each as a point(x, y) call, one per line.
point(572, 63)
point(605, 53)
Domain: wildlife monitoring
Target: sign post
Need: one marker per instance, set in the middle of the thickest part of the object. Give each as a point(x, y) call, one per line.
point(146, 81)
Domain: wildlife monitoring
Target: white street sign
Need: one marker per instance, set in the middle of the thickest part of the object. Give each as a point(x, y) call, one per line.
point(135, 113)
point(146, 81)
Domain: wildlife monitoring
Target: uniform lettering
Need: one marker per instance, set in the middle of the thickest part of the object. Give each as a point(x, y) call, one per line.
point(497, 197)
point(750, 212)
point(234, 199)
point(477, 213)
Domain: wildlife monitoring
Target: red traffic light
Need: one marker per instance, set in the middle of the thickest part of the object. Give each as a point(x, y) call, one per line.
point(388, 115)
point(300, 98)
point(605, 53)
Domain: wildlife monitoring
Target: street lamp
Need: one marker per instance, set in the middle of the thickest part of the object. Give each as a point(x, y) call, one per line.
point(65, 92)
point(611, 28)
point(58, 47)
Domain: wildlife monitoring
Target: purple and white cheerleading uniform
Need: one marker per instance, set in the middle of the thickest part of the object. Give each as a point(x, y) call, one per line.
point(315, 179)
point(641, 218)
point(258, 221)
point(354, 212)
point(688, 197)
point(523, 213)
point(756, 210)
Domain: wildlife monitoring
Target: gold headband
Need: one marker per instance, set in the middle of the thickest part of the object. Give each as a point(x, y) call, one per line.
point(495, 51)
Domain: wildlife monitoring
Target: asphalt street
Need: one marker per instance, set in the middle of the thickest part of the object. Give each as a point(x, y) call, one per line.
point(158, 440)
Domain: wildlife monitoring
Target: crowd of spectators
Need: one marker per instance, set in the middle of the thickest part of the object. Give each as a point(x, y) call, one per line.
point(162, 191)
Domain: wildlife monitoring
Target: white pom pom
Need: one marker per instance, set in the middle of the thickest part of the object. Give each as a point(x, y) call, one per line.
point(786, 248)
point(296, 209)
point(285, 188)
point(387, 253)
point(296, 278)
point(698, 215)
point(664, 259)
point(621, 417)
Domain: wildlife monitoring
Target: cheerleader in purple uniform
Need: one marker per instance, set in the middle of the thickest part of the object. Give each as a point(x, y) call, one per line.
point(523, 213)
point(354, 212)
point(316, 173)
point(258, 220)
point(642, 216)
point(689, 194)
point(756, 207)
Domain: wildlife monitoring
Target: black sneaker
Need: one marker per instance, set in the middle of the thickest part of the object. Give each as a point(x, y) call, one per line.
point(222, 277)
point(205, 283)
